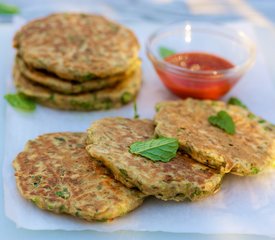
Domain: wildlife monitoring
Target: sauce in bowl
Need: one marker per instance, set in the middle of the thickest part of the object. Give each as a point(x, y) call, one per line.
point(202, 77)
point(196, 61)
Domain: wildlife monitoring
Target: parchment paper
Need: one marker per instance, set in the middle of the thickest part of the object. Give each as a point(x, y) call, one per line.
point(244, 205)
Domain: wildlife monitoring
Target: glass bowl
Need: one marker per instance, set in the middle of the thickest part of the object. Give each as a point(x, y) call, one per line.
point(200, 38)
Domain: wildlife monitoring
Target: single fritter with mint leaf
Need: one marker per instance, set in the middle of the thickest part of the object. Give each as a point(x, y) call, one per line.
point(128, 148)
point(220, 135)
point(57, 174)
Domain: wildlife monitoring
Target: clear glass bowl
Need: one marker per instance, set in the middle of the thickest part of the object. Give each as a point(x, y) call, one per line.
point(189, 37)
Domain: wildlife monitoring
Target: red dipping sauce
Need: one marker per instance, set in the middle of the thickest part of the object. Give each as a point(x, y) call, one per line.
point(202, 75)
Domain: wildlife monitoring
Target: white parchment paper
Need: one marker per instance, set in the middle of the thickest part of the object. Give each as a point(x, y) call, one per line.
point(245, 205)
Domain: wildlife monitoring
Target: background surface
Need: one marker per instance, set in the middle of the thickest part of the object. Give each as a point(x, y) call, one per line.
point(260, 13)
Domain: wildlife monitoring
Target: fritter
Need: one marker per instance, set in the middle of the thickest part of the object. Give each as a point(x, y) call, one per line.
point(57, 174)
point(180, 179)
point(247, 152)
point(70, 87)
point(77, 46)
point(121, 94)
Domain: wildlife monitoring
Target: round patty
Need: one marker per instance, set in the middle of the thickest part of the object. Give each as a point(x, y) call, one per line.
point(69, 87)
point(121, 94)
point(57, 174)
point(180, 179)
point(77, 46)
point(247, 152)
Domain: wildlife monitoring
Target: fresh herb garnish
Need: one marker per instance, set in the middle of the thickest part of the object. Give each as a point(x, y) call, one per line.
point(63, 194)
point(160, 149)
point(88, 76)
point(20, 101)
point(223, 121)
point(123, 172)
point(255, 170)
point(36, 180)
point(251, 116)
point(237, 102)
point(136, 115)
point(126, 97)
point(61, 139)
point(8, 9)
point(166, 52)
point(261, 121)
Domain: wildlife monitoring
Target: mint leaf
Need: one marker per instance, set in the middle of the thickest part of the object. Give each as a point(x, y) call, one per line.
point(20, 101)
point(165, 52)
point(8, 9)
point(223, 121)
point(160, 149)
point(237, 102)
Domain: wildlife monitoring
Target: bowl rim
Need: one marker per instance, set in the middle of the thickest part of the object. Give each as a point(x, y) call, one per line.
point(220, 28)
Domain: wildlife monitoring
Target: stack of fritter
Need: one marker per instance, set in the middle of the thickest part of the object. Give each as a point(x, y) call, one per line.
point(77, 61)
point(94, 176)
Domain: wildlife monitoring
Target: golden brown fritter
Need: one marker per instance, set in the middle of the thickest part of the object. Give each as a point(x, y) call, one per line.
point(121, 94)
point(57, 174)
point(77, 46)
point(249, 151)
point(180, 179)
point(70, 87)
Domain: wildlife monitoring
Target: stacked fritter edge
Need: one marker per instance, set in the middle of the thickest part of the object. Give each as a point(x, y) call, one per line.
point(76, 61)
point(94, 176)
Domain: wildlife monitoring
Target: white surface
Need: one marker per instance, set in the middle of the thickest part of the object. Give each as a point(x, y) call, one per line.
point(244, 205)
